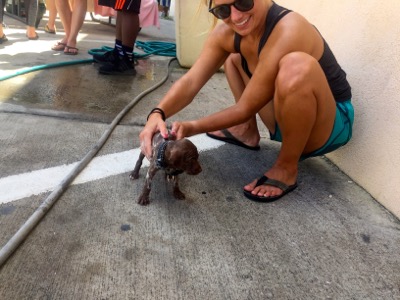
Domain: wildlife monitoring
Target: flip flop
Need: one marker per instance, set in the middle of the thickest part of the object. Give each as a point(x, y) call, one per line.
point(230, 139)
point(33, 38)
point(59, 46)
point(3, 39)
point(67, 50)
point(264, 180)
point(48, 30)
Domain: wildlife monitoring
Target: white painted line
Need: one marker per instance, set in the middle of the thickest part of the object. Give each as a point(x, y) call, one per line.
point(41, 181)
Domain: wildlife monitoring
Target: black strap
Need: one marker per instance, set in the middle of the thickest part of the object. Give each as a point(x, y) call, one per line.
point(275, 14)
point(236, 42)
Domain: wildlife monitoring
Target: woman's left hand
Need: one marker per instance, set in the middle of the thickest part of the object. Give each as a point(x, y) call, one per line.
point(182, 129)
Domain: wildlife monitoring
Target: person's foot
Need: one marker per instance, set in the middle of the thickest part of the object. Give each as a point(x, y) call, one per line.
point(230, 139)
point(106, 57)
point(33, 37)
point(31, 33)
point(50, 30)
point(69, 50)
point(3, 39)
point(283, 175)
point(59, 46)
point(122, 66)
point(244, 133)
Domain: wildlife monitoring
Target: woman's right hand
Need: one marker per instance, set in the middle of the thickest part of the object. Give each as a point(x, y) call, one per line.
point(154, 124)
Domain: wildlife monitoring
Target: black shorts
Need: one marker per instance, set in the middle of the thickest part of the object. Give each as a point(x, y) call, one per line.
point(124, 5)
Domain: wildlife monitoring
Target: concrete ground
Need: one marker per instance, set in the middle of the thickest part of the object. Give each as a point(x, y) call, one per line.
point(328, 239)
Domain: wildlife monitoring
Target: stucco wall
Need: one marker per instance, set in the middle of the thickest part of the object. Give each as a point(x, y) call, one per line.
point(365, 37)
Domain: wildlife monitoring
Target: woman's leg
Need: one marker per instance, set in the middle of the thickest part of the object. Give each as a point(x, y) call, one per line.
point(304, 110)
point(51, 7)
point(237, 80)
point(77, 18)
point(2, 6)
point(33, 7)
point(64, 11)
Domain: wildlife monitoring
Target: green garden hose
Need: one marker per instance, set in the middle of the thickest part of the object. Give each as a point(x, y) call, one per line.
point(149, 48)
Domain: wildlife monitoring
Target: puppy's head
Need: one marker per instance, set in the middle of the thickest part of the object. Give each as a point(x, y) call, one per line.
point(182, 155)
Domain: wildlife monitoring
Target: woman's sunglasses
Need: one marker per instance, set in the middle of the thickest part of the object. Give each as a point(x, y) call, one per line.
point(223, 11)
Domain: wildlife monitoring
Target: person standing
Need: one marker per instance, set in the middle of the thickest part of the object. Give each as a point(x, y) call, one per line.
point(120, 61)
point(163, 6)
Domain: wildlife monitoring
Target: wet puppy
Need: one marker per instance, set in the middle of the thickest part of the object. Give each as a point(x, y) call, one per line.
point(172, 156)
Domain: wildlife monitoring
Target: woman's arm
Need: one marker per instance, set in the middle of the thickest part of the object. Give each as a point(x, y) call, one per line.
point(212, 57)
point(292, 33)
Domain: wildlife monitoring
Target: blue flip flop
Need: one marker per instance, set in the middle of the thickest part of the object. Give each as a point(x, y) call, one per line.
point(230, 139)
point(264, 180)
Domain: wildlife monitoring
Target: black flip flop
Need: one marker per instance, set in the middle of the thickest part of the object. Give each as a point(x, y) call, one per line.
point(230, 139)
point(264, 180)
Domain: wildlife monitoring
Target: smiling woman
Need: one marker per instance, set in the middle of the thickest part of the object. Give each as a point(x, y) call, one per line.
point(278, 66)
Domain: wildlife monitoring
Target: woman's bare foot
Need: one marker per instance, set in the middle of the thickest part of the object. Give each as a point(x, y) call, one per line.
point(287, 176)
point(31, 33)
point(244, 133)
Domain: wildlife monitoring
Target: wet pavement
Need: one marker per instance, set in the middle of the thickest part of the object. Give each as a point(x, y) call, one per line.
point(328, 239)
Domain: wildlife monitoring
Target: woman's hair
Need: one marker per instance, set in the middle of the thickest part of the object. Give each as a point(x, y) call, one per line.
point(206, 4)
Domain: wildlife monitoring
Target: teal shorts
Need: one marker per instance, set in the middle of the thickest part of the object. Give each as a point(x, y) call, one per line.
point(341, 133)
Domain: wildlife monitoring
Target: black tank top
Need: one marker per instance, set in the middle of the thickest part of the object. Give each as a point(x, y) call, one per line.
point(336, 77)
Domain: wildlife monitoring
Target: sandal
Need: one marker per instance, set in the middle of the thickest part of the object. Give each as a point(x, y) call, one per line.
point(33, 38)
point(70, 50)
point(48, 30)
point(3, 39)
point(264, 180)
point(59, 46)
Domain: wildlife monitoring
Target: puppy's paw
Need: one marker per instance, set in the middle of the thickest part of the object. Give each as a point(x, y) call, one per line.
point(134, 175)
point(178, 194)
point(144, 200)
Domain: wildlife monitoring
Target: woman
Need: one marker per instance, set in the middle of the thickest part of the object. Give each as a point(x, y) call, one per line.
point(278, 66)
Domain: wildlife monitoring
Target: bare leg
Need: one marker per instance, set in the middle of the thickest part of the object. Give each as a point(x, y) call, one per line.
point(51, 7)
point(65, 13)
point(305, 111)
point(237, 80)
point(77, 18)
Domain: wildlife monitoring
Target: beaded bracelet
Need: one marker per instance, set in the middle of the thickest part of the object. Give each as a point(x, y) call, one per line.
point(157, 110)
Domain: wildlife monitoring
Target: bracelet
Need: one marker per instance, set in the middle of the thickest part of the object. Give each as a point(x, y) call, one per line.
point(157, 110)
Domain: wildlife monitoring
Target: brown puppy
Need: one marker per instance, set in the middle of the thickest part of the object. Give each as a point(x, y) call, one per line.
point(172, 156)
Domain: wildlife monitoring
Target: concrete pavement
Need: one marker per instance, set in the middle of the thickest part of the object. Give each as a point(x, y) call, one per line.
point(328, 239)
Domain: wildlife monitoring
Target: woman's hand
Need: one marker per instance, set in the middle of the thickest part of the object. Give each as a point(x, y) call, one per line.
point(182, 129)
point(154, 124)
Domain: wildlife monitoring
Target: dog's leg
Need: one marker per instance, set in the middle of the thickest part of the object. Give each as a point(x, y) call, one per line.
point(177, 192)
point(135, 173)
point(144, 196)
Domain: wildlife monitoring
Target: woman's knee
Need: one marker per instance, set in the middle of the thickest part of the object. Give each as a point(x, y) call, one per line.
point(233, 60)
point(294, 73)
